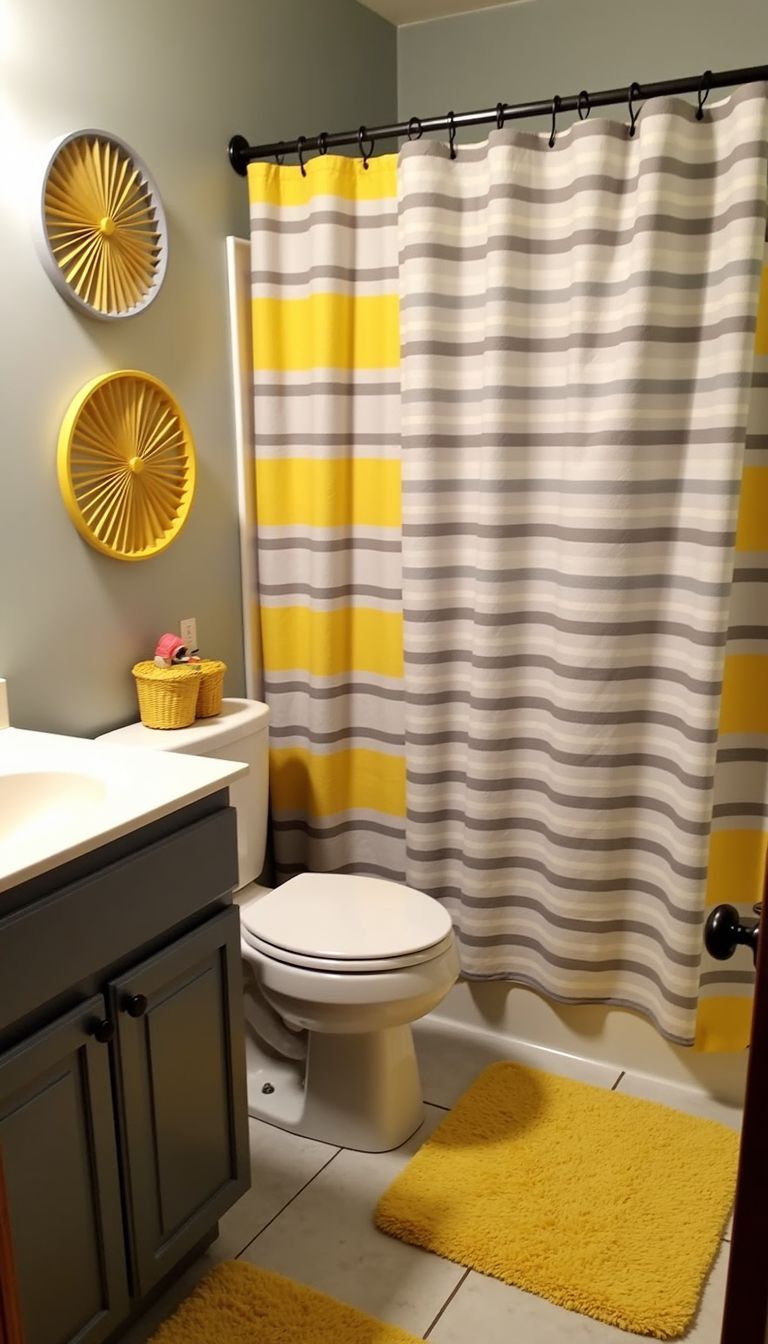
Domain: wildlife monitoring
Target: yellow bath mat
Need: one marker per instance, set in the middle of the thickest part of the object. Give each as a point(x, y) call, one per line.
point(599, 1202)
point(238, 1303)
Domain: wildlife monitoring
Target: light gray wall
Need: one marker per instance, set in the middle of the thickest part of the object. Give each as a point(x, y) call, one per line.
point(175, 78)
point(531, 50)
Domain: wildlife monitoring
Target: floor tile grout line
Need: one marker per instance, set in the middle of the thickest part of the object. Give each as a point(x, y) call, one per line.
point(288, 1202)
point(445, 1305)
point(623, 1074)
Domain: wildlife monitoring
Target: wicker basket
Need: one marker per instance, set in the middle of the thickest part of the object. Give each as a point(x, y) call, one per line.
point(211, 688)
point(167, 695)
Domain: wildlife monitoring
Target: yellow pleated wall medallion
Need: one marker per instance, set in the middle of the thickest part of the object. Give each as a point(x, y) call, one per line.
point(126, 465)
point(103, 236)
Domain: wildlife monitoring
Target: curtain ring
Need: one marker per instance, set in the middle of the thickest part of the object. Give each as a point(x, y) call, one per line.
point(703, 94)
point(414, 125)
point(585, 97)
point(500, 108)
point(279, 158)
point(300, 143)
point(322, 142)
point(633, 92)
point(555, 109)
point(452, 134)
point(362, 135)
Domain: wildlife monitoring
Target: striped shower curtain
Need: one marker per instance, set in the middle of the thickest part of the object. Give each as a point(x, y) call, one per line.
point(586, 653)
point(738, 841)
point(577, 328)
point(327, 464)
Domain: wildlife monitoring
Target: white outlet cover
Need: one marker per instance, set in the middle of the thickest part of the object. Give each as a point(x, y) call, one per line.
point(188, 631)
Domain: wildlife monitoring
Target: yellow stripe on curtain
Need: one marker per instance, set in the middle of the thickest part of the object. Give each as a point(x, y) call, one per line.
point(331, 493)
point(738, 849)
point(330, 643)
point(326, 346)
point(375, 781)
point(340, 331)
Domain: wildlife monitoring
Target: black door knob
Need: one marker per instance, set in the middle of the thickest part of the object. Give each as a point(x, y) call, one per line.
point(724, 932)
point(103, 1030)
point(135, 1005)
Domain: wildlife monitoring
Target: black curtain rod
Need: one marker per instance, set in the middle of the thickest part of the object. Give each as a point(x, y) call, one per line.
point(241, 153)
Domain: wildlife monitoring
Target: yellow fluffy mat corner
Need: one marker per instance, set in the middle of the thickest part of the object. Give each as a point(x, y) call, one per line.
point(602, 1203)
point(238, 1303)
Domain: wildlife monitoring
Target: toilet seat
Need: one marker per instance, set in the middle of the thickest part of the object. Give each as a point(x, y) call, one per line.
point(346, 924)
point(347, 965)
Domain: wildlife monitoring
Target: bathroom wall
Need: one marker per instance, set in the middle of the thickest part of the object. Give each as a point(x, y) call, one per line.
point(175, 78)
point(533, 49)
point(526, 52)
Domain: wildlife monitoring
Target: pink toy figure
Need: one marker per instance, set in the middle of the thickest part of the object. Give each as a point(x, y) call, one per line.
point(170, 650)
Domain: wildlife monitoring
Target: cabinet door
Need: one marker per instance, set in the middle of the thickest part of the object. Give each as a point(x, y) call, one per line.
point(10, 1309)
point(57, 1135)
point(182, 1092)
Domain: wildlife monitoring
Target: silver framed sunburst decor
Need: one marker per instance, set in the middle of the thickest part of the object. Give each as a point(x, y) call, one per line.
point(103, 233)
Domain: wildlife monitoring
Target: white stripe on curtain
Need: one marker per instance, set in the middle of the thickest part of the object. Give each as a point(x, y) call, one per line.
point(577, 329)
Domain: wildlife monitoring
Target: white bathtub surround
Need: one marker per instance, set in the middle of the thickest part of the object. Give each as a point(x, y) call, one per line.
point(503, 1021)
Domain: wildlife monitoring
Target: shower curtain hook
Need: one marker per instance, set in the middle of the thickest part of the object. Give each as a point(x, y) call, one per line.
point(556, 101)
point(279, 158)
point(500, 108)
point(452, 134)
point(322, 142)
point(634, 91)
point(705, 84)
point(585, 96)
point(300, 143)
point(362, 135)
point(414, 125)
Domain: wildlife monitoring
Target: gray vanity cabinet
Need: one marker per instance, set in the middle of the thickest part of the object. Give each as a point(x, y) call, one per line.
point(123, 1110)
point(182, 1092)
point(57, 1135)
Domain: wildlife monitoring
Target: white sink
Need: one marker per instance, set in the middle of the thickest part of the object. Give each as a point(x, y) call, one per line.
point(63, 796)
point(35, 798)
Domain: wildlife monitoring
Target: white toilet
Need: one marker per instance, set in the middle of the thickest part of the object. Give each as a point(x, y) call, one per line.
point(347, 962)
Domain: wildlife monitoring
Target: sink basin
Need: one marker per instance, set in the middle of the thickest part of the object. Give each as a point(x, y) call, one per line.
point(45, 799)
point(61, 797)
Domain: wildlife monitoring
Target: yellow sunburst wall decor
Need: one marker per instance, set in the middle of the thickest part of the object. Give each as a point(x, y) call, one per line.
point(126, 465)
point(104, 239)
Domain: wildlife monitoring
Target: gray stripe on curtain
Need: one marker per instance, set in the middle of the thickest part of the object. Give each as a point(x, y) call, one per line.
point(577, 347)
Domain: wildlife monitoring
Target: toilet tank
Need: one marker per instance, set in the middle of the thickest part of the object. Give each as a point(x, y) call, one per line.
point(239, 733)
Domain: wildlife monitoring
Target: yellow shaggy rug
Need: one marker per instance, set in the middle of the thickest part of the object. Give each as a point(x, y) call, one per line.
point(238, 1303)
point(599, 1202)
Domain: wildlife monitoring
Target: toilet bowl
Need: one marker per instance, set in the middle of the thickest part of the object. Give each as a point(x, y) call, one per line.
point(352, 961)
point(337, 967)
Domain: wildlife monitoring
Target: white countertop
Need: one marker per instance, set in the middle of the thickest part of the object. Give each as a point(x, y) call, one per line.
point(63, 796)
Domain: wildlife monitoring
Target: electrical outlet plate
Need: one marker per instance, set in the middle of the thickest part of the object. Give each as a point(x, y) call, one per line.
point(188, 632)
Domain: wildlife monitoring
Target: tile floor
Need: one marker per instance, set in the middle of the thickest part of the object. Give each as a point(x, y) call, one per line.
point(308, 1215)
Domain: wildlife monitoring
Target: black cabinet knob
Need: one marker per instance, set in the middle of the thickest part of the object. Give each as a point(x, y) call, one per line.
point(135, 1005)
point(103, 1030)
point(724, 932)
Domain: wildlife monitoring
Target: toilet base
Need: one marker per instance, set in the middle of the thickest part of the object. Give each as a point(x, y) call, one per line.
point(357, 1090)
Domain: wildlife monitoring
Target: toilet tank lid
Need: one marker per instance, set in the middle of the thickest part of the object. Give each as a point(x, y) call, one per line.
point(238, 719)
